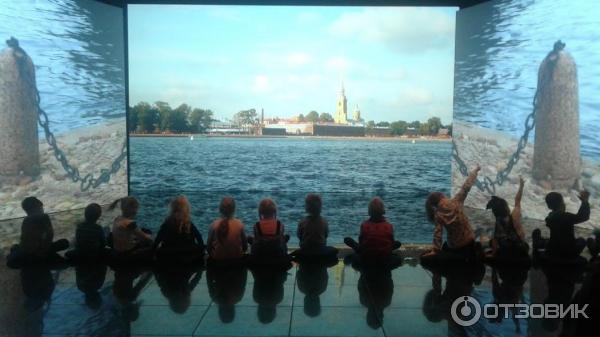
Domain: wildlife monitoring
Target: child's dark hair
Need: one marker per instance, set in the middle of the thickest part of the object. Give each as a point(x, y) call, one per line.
point(554, 200)
point(376, 208)
point(31, 205)
point(312, 204)
point(227, 209)
point(129, 206)
point(432, 201)
point(92, 213)
point(267, 208)
point(498, 206)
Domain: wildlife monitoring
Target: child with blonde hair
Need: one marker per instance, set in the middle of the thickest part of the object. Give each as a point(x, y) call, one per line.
point(178, 239)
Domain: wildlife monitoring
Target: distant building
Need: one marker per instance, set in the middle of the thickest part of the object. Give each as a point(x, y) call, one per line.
point(411, 132)
point(341, 110)
point(378, 131)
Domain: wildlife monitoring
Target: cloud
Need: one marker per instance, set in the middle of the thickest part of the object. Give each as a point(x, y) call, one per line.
point(417, 96)
point(298, 59)
point(261, 83)
point(338, 63)
point(405, 30)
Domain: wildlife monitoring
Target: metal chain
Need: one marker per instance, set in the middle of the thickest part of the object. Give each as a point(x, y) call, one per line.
point(88, 181)
point(488, 184)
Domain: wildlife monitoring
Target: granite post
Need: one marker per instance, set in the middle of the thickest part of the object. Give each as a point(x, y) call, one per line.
point(19, 146)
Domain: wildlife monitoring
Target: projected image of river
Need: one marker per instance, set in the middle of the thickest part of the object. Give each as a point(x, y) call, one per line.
point(346, 173)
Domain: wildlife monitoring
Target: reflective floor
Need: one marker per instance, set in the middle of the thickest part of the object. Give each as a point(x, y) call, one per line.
point(306, 300)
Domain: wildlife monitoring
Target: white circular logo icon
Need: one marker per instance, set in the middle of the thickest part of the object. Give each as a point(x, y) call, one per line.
point(465, 311)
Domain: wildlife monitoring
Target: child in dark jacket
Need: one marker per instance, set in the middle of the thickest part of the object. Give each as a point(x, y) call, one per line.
point(178, 239)
point(376, 241)
point(313, 230)
point(509, 236)
point(37, 243)
point(562, 242)
point(90, 241)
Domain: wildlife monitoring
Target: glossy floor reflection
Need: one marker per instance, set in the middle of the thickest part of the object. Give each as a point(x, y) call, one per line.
point(306, 300)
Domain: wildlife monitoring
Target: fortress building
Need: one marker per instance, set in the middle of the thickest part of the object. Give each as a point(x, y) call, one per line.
point(341, 110)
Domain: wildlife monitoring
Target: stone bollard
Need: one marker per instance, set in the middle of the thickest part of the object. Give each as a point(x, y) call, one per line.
point(556, 156)
point(19, 147)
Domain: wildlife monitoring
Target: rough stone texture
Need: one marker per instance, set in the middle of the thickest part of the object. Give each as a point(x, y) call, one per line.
point(492, 149)
point(556, 156)
point(19, 152)
point(90, 149)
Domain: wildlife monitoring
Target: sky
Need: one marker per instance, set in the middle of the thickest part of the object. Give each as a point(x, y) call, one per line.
point(395, 63)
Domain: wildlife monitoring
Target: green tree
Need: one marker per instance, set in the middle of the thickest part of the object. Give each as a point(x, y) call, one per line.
point(415, 124)
point(449, 130)
point(301, 118)
point(164, 111)
point(200, 120)
point(370, 124)
point(132, 119)
point(325, 117)
point(435, 124)
point(245, 118)
point(424, 129)
point(383, 124)
point(312, 117)
point(177, 120)
point(399, 128)
point(148, 117)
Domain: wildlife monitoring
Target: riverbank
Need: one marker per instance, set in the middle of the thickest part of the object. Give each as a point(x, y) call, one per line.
point(200, 136)
point(90, 149)
point(492, 149)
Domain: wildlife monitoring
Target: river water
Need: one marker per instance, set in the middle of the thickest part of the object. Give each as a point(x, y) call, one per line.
point(347, 174)
point(499, 47)
point(77, 47)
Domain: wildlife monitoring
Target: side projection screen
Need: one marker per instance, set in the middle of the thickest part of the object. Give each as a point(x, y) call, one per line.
point(62, 104)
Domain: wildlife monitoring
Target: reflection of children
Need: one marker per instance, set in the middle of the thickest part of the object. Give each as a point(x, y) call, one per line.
point(376, 239)
point(127, 237)
point(37, 236)
point(509, 237)
point(562, 242)
point(448, 213)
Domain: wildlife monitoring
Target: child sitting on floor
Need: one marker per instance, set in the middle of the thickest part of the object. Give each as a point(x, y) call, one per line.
point(178, 240)
point(226, 236)
point(562, 242)
point(509, 237)
point(128, 240)
point(270, 240)
point(37, 243)
point(448, 213)
point(313, 230)
point(90, 241)
point(376, 240)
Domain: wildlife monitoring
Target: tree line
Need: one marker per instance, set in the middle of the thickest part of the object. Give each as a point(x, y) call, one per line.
point(160, 117)
point(399, 128)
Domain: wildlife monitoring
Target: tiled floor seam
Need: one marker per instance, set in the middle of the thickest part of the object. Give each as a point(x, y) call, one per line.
point(293, 300)
point(201, 318)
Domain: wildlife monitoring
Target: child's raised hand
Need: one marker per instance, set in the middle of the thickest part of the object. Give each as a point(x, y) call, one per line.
point(584, 195)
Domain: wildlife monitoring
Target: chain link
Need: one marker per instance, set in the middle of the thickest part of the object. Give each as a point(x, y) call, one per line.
point(487, 184)
point(88, 181)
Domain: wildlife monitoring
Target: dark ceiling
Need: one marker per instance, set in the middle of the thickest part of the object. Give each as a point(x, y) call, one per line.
point(453, 3)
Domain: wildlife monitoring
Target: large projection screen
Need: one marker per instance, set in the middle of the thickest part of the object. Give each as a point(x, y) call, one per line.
point(507, 77)
point(66, 146)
